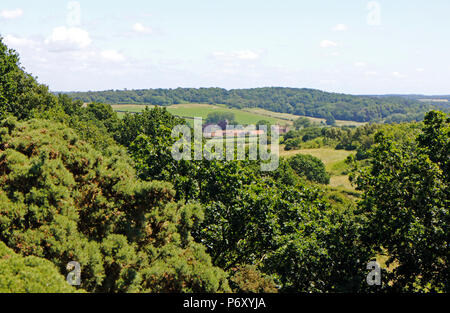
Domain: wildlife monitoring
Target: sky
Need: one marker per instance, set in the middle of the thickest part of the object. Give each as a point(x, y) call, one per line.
point(352, 46)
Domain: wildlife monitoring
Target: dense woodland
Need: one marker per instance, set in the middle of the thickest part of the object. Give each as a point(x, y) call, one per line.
point(77, 183)
point(306, 102)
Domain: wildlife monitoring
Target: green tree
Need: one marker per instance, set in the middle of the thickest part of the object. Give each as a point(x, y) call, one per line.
point(156, 123)
point(310, 167)
point(289, 233)
point(20, 94)
point(302, 122)
point(216, 117)
point(105, 114)
point(406, 203)
point(330, 120)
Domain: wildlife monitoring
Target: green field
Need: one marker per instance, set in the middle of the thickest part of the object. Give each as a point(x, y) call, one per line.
point(202, 110)
point(244, 116)
point(290, 118)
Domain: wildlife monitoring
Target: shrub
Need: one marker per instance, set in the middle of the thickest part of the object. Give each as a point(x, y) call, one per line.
point(310, 167)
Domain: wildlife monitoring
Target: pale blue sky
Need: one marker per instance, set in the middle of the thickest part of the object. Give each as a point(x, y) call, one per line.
point(352, 46)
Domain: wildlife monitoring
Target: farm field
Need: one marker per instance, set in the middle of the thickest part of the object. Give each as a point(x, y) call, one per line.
point(202, 110)
point(290, 118)
point(244, 116)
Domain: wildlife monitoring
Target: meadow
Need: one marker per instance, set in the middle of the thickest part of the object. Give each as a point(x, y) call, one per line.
point(290, 118)
point(244, 116)
point(189, 111)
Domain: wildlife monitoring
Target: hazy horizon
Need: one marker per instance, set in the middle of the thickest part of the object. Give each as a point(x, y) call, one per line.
point(200, 87)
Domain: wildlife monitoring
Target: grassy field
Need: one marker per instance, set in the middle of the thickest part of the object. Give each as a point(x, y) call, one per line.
point(290, 118)
point(244, 116)
point(202, 110)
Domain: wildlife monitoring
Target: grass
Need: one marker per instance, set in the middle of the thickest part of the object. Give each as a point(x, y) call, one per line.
point(341, 181)
point(329, 156)
point(337, 168)
point(244, 116)
point(290, 118)
point(192, 110)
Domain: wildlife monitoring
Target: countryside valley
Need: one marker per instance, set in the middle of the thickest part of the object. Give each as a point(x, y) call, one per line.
point(86, 179)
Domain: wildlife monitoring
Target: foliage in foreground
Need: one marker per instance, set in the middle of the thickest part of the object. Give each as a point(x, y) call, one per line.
point(29, 274)
point(275, 222)
point(406, 202)
point(62, 200)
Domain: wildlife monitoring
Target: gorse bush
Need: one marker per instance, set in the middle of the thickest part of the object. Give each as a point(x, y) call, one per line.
point(62, 200)
point(247, 279)
point(29, 274)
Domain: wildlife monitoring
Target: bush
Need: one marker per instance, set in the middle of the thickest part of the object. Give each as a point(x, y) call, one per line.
point(247, 279)
point(29, 274)
point(64, 201)
point(310, 167)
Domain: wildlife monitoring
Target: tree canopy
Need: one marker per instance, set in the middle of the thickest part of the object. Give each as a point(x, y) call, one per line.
point(406, 203)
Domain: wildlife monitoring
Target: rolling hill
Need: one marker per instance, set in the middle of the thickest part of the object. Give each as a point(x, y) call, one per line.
point(302, 102)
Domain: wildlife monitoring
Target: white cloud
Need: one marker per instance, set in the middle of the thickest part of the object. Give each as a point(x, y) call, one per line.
point(360, 64)
point(398, 75)
point(246, 55)
point(340, 28)
point(328, 81)
point(66, 39)
point(139, 28)
point(371, 73)
point(112, 55)
point(328, 44)
point(14, 42)
point(240, 55)
point(420, 69)
point(11, 14)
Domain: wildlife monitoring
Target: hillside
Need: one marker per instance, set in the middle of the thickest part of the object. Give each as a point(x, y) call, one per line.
point(442, 101)
point(242, 116)
point(304, 102)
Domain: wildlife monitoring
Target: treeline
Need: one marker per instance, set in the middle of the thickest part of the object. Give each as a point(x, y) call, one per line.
point(305, 102)
point(442, 101)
